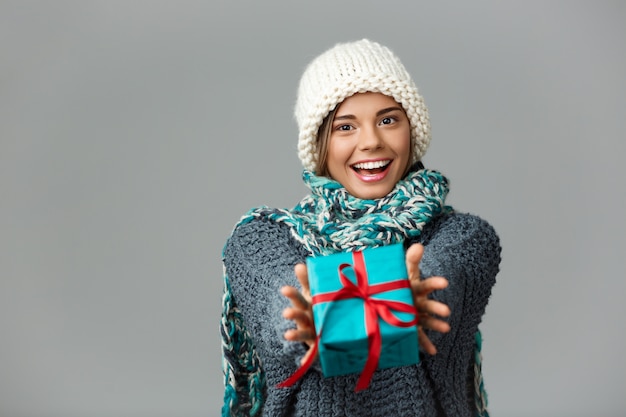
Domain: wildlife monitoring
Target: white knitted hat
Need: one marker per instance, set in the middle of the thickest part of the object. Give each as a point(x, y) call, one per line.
point(347, 69)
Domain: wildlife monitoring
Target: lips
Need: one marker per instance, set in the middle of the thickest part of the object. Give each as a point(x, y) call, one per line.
point(372, 171)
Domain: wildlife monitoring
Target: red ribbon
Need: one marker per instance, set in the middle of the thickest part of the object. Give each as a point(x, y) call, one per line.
point(374, 309)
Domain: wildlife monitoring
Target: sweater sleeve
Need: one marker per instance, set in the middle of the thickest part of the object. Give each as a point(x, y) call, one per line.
point(465, 249)
point(259, 259)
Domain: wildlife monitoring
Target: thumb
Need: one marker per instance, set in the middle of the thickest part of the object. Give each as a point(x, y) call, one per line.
point(413, 258)
point(302, 274)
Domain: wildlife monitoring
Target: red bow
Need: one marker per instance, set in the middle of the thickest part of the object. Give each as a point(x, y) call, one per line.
point(374, 309)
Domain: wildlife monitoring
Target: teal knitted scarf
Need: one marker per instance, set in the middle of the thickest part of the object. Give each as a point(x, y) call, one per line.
point(331, 220)
point(326, 221)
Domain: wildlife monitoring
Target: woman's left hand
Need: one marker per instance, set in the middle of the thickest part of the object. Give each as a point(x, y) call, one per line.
point(429, 310)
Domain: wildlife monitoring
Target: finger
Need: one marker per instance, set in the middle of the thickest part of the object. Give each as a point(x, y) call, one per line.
point(432, 307)
point(428, 285)
point(302, 318)
point(302, 274)
point(307, 355)
point(296, 297)
point(425, 343)
point(295, 335)
point(433, 323)
point(413, 258)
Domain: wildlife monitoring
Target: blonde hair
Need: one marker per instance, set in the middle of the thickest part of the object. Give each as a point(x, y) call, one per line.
point(323, 139)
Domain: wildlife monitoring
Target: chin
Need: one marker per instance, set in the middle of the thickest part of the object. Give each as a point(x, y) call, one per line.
point(370, 194)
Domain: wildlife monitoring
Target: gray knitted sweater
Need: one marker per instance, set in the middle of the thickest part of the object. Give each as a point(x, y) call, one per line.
point(259, 258)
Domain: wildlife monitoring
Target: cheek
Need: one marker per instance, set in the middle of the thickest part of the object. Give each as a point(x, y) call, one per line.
point(408, 151)
point(403, 144)
point(338, 152)
point(404, 151)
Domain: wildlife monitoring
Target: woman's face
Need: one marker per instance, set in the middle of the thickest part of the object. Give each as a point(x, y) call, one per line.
point(369, 145)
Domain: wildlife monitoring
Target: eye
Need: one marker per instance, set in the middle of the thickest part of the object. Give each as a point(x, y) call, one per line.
point(344, 128)
point(387, 120)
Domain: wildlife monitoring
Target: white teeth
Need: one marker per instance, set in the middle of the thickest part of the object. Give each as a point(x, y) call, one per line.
point(371, 165)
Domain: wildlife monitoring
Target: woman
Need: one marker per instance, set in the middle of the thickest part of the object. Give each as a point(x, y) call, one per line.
point(363, 131)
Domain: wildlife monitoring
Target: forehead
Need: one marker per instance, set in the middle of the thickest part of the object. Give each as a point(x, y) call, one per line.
point(366, 102)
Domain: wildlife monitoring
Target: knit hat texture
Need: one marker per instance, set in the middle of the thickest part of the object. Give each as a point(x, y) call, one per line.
point(347, 69)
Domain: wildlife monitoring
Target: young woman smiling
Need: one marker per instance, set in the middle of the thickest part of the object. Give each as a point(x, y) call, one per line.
point(369, 145)
point(363, 130)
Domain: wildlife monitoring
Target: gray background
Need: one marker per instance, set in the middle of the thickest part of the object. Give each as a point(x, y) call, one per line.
point(134, 134)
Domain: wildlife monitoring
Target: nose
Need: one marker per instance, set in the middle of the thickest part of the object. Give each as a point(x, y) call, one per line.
point(370, 139)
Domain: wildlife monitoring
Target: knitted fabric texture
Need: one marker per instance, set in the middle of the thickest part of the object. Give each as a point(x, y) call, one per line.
point(326, 221)
point(244, 379)
point(331, 220)
point(347, 69)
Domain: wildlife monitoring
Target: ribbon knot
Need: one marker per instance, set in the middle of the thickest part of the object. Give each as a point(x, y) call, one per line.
point(374, 308)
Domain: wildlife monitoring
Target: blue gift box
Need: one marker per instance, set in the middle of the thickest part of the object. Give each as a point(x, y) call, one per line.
point(344, 347)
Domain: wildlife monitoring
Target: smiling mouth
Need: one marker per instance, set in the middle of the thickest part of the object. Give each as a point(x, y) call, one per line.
point(371, 168)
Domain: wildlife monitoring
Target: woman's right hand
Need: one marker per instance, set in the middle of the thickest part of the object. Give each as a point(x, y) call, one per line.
point(430, 311)
point(301, 311)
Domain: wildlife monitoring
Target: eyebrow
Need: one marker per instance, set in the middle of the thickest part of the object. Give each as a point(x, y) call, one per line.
point(378, 113)
point(387, 110)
